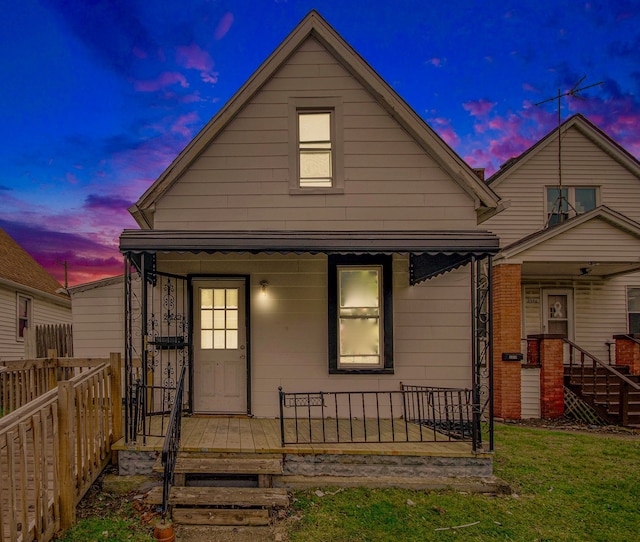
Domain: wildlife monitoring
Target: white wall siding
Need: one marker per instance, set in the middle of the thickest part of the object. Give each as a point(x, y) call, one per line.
point(43, 311)
point(583, 164)
point(241, 181)
point(530, 392)
point(98, 321)
point(289, 335)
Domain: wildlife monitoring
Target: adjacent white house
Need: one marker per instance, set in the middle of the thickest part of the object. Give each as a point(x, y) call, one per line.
point(569, 262)
point(29, 296)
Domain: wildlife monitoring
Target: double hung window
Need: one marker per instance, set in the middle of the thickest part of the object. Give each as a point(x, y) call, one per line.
point(23, 316)
point(572, 201)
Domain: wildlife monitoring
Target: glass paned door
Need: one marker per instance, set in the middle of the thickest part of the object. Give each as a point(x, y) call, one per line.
point(557, 312)
point(220, 354)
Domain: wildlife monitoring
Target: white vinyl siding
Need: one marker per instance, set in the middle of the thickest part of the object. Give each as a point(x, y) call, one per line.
point(241, 181)
point(584, 164)
point(289, 335)
point(98, 319)
point(530, 392)
point(43, 311)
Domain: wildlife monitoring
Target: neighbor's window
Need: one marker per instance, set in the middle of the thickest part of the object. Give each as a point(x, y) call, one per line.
point(218, 318)
point(315, 149)
point(575, 200)
point(633, 309)
point(361, 336)
point(24, 315)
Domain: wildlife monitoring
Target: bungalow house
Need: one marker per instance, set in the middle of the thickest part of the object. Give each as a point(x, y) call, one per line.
point(568, 271)
point(313, 254)
point(29, 296)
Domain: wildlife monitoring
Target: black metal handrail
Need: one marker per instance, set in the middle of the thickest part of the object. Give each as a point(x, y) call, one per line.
point(172, 443)
point(411, 414)
point(611, 376)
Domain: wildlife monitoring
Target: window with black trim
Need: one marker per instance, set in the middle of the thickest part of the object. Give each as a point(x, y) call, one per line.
point(360, 314)
point(23, 315)
point(315, 145)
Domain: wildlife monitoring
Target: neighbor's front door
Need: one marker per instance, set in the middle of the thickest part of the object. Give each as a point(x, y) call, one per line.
point(557, 310)
point(220, 347)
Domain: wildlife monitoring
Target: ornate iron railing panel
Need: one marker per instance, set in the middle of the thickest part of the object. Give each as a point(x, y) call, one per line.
point(157, 335)
point(482, 353)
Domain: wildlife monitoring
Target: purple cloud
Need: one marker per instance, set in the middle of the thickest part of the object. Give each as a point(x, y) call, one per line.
point(223, 26)
point(478, 108)
point(165, 79)
point(95, 202)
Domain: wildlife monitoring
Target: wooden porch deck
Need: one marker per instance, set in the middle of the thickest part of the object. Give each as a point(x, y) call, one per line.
point(218, 434)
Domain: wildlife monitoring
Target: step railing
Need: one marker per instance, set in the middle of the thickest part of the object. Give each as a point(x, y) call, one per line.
point(172, 443)
point(587, 370)
point(411, 414)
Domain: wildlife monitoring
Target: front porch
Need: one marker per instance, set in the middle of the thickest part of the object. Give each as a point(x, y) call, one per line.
point(436, 462)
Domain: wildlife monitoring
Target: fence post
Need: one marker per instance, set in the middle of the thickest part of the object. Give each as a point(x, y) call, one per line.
point(66, 453)
point(115, 359)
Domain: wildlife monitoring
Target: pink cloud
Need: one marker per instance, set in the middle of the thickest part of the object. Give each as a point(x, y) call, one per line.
point(437, 62)
point(479, 108)
point(193, 57)
point(180, 125)
point(223, 26)
point(445, 130)
point(165, 79)
point(210, 77)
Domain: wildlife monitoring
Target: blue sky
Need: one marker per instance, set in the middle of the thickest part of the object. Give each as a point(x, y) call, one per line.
point(98, 96)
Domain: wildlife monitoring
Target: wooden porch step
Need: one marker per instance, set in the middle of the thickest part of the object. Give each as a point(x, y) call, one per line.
point(181, 496)
point(216, 465)
point(212, 516)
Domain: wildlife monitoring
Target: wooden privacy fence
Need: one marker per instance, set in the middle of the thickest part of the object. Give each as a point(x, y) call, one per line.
point(41, 339)
point(53, 448)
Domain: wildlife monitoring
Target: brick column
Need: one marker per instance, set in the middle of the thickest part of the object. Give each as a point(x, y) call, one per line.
point(551, 376)
point(507, 307)
point(628, 353)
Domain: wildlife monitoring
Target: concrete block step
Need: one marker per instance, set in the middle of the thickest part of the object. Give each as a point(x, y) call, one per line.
point(246, 497)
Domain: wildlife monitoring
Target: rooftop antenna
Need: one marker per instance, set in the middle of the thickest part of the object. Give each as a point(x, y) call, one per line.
point(556, 210)
point(64, 264)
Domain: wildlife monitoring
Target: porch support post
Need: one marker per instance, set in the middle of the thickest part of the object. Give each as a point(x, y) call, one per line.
point(628, 352)
point(551, 376)
point(507, 310)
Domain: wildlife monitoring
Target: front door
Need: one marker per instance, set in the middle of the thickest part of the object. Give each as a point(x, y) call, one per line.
point(220, 347)
point(557, 312)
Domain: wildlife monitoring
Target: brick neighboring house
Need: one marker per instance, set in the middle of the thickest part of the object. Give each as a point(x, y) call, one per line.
point(29, 296)
point(568, 268)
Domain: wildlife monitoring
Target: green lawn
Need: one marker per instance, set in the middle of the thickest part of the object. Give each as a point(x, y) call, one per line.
point(566, 486)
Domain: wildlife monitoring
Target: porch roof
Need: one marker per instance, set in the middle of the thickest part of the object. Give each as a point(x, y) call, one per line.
point(432, 253)
point(477, 242)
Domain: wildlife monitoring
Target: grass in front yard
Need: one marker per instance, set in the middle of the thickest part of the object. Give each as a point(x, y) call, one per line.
point(567, 486)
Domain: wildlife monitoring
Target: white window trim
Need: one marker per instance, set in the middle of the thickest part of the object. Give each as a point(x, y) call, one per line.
point(629, 312)
point(326, 104)
point(571, 196)
point(20, 296)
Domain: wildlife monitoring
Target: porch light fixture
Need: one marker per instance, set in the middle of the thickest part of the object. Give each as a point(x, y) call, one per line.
point(263, 287)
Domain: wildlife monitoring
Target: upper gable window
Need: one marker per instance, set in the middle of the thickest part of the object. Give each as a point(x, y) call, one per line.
point(315, 146)
point(315, 150)
point(574, 200)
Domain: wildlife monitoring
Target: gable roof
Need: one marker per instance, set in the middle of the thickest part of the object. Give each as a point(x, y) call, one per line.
point(17, 267)
point(603, 212)
point(585, 127)
point(486, 201)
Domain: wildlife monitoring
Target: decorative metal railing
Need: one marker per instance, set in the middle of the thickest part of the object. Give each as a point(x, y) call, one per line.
point(172, 443)
point(411, 414)
point(605, 384)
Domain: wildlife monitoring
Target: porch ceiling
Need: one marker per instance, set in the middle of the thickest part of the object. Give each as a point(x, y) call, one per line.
point(477, 242)
point(580, 270)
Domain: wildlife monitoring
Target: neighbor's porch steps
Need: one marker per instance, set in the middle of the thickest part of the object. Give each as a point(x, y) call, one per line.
point(603, 393)
point(228, 504)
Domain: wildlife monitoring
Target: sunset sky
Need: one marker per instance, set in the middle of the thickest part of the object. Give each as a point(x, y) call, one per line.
point(98, 96)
